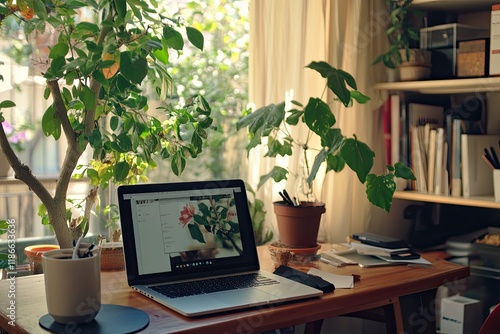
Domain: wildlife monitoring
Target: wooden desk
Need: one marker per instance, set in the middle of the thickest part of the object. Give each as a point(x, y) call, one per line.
point(378, 287)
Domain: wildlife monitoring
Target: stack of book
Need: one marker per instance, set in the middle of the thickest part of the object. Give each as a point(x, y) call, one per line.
point(442, 145)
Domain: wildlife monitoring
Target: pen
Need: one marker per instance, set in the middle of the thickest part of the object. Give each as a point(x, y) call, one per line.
point(75, 249)
point(495, 157)
point(285, 199)
point(490, 159)
point(288, 197)
point(487, 161)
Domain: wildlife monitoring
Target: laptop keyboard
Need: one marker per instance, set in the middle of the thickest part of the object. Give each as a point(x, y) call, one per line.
point(218, 284)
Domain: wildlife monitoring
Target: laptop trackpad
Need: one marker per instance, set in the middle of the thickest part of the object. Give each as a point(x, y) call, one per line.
point(242, 297)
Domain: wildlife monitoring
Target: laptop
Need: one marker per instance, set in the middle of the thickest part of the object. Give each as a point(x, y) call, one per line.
point(185, 241)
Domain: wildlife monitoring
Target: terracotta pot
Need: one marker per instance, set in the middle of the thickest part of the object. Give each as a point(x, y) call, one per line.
point(298, 226)
point(34, 254)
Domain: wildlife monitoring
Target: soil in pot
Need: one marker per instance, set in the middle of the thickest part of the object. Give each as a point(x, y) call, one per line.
point(298, 226)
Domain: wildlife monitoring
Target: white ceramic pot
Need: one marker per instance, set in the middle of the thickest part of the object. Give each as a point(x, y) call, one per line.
point(72, 286)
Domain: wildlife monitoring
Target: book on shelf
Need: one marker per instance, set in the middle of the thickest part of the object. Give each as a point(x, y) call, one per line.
point(395, 102)
point(477, 175)
point(387, 130)
point(422, 118)
point(465, 118)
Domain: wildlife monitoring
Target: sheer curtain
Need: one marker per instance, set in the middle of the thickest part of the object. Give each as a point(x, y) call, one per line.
point(285, 36)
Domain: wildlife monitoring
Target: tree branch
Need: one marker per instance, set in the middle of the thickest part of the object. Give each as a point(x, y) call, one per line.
point(23, 172)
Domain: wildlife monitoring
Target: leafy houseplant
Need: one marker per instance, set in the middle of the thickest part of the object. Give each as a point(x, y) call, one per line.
point(273, 123)
point(95, 75)
point(412, 63)
point(400, 32)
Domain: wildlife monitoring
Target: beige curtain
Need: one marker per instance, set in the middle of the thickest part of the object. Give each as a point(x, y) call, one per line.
point(285, 36)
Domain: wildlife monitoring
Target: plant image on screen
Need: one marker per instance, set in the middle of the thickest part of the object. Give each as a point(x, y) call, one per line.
point(215, 215)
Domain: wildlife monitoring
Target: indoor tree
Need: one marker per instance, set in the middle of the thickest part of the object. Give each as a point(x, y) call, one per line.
point(95, 74)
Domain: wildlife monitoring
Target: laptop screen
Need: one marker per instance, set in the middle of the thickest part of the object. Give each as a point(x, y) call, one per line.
point(184, 230)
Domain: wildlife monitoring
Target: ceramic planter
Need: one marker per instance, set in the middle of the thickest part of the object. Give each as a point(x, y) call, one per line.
point(72, 286)
point(417, 67)
point(298, 226)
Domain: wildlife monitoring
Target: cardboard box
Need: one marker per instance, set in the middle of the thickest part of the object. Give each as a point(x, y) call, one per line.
point(472, 58)
point(495, 40)
point(460, 315)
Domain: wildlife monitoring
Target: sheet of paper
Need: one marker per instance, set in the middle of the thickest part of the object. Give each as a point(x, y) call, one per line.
point(339, 281)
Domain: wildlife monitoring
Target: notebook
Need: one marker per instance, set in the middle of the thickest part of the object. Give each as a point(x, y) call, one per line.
point(177, 235)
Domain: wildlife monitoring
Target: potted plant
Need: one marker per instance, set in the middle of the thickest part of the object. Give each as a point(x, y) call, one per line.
point(411, 62)
point(112, 257)
point(95, 74)
point(273, 123)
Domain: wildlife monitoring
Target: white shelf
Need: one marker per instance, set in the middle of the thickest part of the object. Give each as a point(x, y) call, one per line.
point(476, 201)
point(454, 5)
point(450, 86)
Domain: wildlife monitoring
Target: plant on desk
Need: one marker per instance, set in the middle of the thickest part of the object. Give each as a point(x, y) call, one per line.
point(95, 74)
point(273, 122)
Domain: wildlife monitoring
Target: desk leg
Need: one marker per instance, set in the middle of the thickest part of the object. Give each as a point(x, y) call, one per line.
point(393, 317)
point(313, 327)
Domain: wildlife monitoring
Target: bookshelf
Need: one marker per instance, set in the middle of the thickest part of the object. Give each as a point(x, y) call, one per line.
point(449, 86)
point(485, 86)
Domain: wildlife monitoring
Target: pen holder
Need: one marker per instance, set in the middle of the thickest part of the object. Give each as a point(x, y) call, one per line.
point(496, 184)
point(72, 286)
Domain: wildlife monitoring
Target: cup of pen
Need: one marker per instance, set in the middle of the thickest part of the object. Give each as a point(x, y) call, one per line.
point(73, 284)
point(496, 184)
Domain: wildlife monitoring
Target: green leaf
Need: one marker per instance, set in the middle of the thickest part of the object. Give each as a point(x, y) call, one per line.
point(113, 122)
point(294, 116)
point(322, 68)
point(261, 122)
point(133, 68)
point(334, 162)
point(173, 38)
point(4, 260)
point(40, 10)
point(337, 84)
point(380, 190)
point(318, 116)
point(87, 97)
point(403, 171)
point(124, 142)
point(195, 37)
point(195, 232)
point(178, 163)
point(358, 156)
point(277, 174)
point(120, 171)
point(333, 139)
point(318, 161)
point(7, 104)
point(86, 29)
point(349, 79)
point(359, 97)
point(121, 7)
point(4, 226)
point(51, 126)
point(59, 50)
